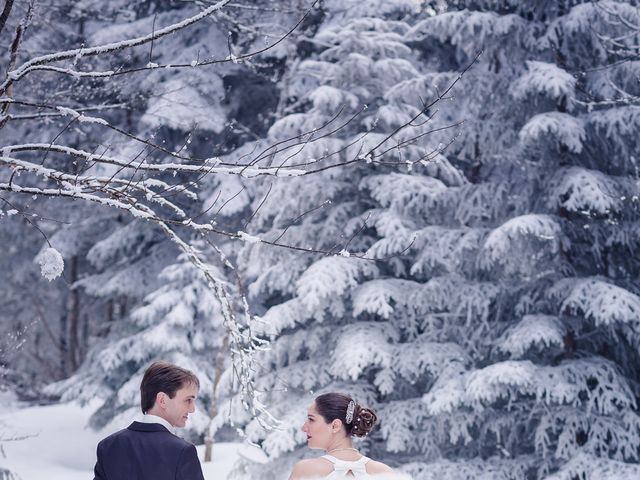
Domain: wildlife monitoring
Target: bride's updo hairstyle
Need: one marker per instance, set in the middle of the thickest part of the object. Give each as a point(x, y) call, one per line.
point(335, 405)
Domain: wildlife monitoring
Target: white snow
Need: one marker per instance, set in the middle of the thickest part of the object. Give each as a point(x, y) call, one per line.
point(37, 62)
point(602, 302)
point(51, 263)
point(581, 189)
point(80, 117)
point(541, 226)
point(60, 446)
point(544, 78)
point(248, 238)
point(567, 129)
point(534, 329)
point(329, 99)
point(182, 106)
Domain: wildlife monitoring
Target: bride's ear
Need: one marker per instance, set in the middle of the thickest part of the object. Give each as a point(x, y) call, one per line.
point(336, 425)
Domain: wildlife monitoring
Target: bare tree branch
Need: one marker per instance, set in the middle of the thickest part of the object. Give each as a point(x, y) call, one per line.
point(31, 65)
point(6, 10)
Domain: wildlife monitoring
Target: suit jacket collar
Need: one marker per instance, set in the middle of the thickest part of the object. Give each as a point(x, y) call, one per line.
point(148, 418)
point(147, 427)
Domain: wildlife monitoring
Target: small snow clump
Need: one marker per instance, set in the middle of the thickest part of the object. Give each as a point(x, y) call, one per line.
point(51, 263)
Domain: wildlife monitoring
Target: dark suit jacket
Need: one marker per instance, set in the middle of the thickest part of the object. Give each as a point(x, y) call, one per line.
point(146, 451)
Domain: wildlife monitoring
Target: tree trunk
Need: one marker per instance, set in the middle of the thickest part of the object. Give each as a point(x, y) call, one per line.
point(84, 345)
point(64, 345)
point(213, 408)
point(8, 4)
point(73, 315)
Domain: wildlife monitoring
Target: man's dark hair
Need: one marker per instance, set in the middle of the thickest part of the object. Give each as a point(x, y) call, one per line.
point(163, 377)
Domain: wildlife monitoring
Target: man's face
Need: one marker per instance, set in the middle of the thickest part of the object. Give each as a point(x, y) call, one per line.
point(176, 410)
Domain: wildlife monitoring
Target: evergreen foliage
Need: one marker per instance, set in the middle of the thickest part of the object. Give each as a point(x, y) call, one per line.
point(496, 333)
point(481, 294)
point(180, 321)
point(116, 264)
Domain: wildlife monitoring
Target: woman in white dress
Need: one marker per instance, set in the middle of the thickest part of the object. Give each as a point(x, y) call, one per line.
point(332, 420)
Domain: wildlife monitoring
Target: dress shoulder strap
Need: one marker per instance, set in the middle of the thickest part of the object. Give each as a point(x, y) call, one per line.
point(362, 460)
point(331, 458)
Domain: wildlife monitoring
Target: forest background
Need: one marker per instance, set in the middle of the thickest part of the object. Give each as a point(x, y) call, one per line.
point(430, 205)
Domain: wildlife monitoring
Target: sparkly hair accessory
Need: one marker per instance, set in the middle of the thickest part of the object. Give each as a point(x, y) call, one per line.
point(350, 409)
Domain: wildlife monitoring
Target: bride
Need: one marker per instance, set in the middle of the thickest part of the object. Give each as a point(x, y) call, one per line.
point(332, 419)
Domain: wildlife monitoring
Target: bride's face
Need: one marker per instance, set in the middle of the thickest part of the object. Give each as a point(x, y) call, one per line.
point(319, 432)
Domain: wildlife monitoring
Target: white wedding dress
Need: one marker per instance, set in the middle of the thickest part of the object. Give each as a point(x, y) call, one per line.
point(355, 470)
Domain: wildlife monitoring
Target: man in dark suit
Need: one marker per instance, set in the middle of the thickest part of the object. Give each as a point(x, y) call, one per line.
point(146, 449)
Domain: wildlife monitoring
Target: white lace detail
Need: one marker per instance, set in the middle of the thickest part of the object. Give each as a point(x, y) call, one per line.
point(355, 469)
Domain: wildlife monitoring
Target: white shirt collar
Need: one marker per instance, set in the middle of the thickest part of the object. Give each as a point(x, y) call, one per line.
point(148, 418)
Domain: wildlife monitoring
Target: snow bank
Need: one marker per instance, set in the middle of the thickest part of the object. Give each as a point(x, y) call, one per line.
point(59, 445)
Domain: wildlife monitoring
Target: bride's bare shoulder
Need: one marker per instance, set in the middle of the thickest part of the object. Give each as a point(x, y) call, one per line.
point(311, 468)
point(375, 468)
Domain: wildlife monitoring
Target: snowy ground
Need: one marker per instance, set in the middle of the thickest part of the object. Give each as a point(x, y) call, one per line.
point(60, 447)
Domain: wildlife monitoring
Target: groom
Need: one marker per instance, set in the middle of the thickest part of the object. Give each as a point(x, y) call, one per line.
point(146, 449)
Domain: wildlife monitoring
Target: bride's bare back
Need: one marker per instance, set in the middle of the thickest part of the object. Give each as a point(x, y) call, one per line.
point(332, 420)
point(331, 467)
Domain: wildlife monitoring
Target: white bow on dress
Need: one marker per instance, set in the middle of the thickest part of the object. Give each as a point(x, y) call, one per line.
point(348, 469)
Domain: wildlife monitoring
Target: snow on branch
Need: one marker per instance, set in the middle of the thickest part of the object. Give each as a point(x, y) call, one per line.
point(206, 167)
point(39, 63)
point(538, 226)
point(567, 130)
point(565, 384)
point(533, 330)
point(546, 79)
point(142, 185)
point(109, 47)
point(603, 303)
point(584, 465)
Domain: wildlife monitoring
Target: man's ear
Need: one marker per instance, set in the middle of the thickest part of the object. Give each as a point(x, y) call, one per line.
point(161, 399)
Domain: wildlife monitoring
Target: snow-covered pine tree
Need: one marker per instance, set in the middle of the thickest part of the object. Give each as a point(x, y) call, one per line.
point(48, 316)
point(121, 265)
point(180, 321)
point(561, 334)
point(196, 113)
point(6, 474)
point(503, 343)
point(121, 258)
point(337, 321)
point(25, 297)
